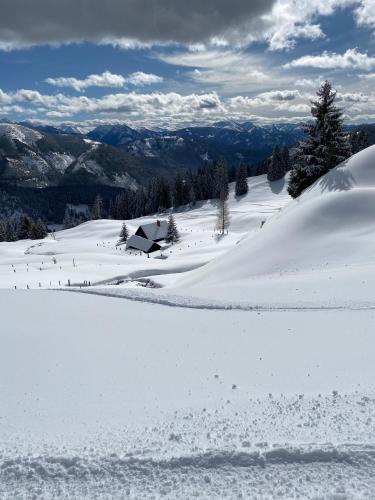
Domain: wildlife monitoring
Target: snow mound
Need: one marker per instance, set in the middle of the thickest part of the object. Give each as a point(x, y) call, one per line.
point(23, 134)
point(331, 225)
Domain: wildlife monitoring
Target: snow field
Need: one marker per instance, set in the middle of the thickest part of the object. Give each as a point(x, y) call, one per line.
point(119, 399)
point(97, 259)
point(257, 383)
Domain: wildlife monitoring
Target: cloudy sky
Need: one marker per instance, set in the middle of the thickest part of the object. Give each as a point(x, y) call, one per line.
point(173, 63)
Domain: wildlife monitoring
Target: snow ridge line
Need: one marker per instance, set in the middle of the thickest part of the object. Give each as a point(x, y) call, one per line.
point(190, 302)
point(75, 467)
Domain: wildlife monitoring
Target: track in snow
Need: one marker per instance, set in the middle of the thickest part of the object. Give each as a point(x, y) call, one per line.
point(190, 302)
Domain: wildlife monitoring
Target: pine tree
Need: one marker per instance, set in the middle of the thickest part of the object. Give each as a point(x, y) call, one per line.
point(286, 158)
point(241, 186)
point(223, 220)
point(192, 196)
point(172, 233)
point(2, 231)
point(24, 227)
point(276, 169)
point(10, 232)
point(124, 234)
point(221, 183)
point(39, 230)
point(67, 220)
point(178, 190)
point(97, 211)
point(325, 145)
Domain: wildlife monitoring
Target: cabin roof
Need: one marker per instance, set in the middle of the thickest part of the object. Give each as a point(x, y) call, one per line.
point(140, 243)
point(155, 230)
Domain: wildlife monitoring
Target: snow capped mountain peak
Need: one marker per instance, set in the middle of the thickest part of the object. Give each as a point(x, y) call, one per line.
point(18, 132)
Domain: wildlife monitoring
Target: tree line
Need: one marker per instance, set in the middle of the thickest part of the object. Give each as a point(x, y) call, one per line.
point(22, 228)
point(160, 194)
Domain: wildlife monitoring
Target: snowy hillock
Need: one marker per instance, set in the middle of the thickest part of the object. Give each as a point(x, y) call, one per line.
point(330, 227)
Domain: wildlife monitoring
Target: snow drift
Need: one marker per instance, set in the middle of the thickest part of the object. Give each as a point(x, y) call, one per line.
point(331, 225)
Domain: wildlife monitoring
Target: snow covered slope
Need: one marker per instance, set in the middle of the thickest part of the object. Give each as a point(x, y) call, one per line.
point(105, 398)
point(109, 399)
point(18, 132)
point(328, 231)
point(97, 259)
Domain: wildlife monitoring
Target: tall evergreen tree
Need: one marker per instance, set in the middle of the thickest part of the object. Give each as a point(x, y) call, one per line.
point(286, 158)
point(241, 186)
point(223, 219)
point(178, 190)
point(39, 230)
point(192, 196)
point(67, 220)
point(42, 228)
point(10, 232)
point(124, 234)
point(221, 183)
point(164, 194)
point(2, 231)
point(24, 227)
point(325, 144)
point(172, 233)
point(276, 169)
point(97, 211)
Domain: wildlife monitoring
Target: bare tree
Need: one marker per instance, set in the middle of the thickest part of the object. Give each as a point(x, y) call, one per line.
point(223, 219)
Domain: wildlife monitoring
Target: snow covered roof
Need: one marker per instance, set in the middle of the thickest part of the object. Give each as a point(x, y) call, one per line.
point(155, 230)
point(140, 243)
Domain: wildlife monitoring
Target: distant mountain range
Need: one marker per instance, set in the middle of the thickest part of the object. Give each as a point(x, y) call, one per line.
point(39, 156)
point(190, 147)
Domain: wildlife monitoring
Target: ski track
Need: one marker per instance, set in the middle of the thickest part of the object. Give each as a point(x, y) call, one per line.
point(196, 454)
point(190, 302)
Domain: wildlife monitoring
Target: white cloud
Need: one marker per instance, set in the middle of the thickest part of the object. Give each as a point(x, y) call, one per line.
point(156, 108)
point(368, 76)
point(309, 82)
point(290, 20)
point(365, 13)
point(139, 79)
point(5, 110)
point(354, 97)
point(106, 79)
point(285, 36)
point(351, 59)
point(174, 109)
point(232, 70)
point(279, 95)
point(273, 99)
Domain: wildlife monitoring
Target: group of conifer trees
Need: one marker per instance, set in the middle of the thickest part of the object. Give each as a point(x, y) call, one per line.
point(22, 228)
point(208, 182)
